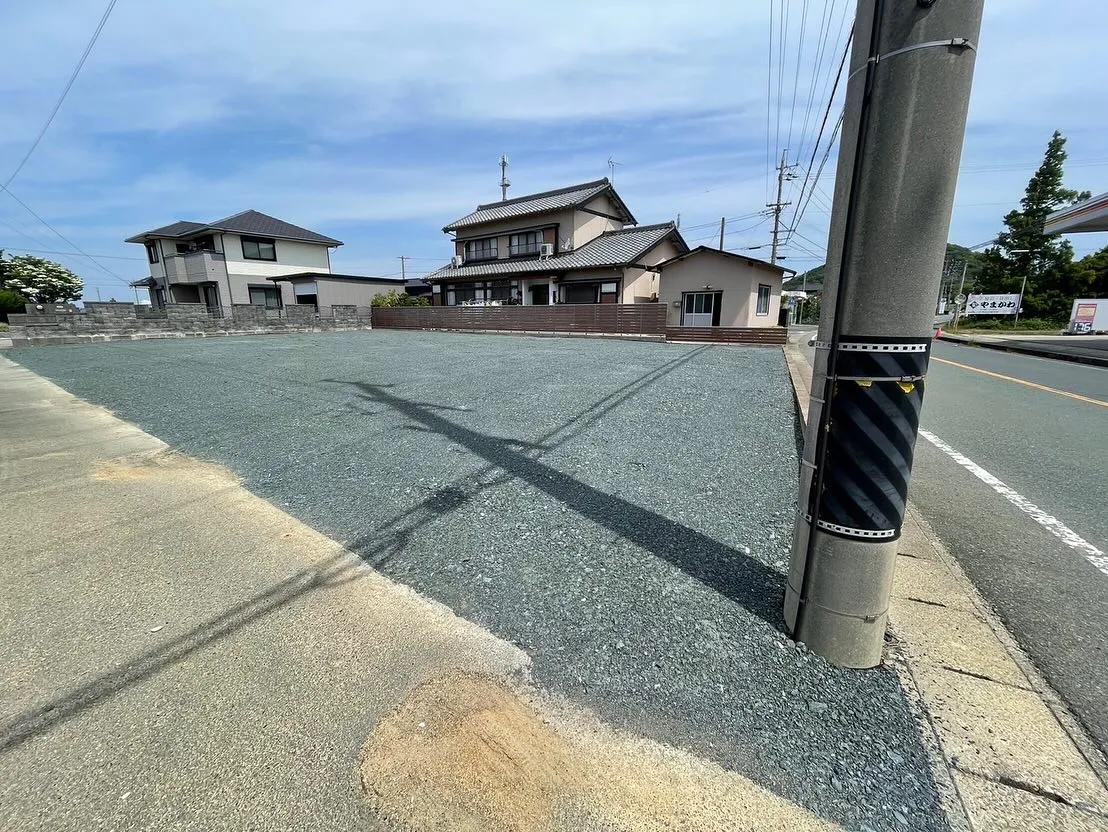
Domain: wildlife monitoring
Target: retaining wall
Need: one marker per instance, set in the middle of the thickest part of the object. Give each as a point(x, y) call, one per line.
point(127, 321)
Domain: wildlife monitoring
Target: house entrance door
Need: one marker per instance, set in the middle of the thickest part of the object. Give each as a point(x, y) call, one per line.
point(211, 296)
point(540, 295)
point(699, 308)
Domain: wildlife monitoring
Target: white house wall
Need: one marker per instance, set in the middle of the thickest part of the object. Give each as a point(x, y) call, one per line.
point(292, 257)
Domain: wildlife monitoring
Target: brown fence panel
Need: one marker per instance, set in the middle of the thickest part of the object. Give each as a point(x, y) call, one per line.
point(769, 335)
point(615, 319)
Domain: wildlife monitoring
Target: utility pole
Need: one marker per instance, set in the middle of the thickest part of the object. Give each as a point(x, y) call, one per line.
point(722, 225)
point(403, 272)
point(905, 116)
point(778, 206)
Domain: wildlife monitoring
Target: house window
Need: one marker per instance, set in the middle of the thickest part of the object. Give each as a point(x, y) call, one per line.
point(481, 249)
point(521, 245)
point(500, 290)
point(266, 296)
point(259, 248)
point(152, 252)
point(763, 299)
point(205, 243)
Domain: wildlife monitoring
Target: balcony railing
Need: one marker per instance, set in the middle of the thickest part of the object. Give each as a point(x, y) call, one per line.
point(196, 266)
point(524, 249)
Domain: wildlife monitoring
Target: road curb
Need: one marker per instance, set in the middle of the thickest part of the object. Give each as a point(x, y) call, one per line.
point(1006, 751)
point(1024, 349)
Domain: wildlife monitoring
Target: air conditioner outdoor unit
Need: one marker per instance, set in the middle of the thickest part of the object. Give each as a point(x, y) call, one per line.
point(457, 260)
point(546, 250)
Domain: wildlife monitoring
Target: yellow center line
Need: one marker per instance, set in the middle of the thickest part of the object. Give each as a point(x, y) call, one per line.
point(1068, 395)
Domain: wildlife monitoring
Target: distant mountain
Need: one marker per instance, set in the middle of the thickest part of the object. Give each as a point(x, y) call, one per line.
point(955, 256)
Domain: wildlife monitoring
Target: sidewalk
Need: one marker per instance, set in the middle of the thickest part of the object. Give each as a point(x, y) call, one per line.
point(1015, 756)
point(182, 654)
point(1082, 349)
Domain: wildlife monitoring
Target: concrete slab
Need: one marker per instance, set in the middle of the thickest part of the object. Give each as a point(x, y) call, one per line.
point(1000, 807)
point(1018, 759)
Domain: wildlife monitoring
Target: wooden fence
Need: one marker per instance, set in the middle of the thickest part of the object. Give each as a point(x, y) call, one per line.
point(596, 318)
point(769, 335)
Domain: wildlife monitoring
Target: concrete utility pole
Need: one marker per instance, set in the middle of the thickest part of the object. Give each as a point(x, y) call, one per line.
point(722, 225)
point(403, 271)
point(908, 92)
point(778, 205)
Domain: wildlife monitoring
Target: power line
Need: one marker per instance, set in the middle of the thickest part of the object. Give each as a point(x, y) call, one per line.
point(65, 92)
point(783, 44)
point(798, 211)
point(63, 238)
point(821, 48)
point(769, 92)
point(796, 75)
point(70, 253)
point(797, 217)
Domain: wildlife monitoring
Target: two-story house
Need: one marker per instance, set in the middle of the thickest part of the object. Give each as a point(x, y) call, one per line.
point(233, 260)
point(579, 244)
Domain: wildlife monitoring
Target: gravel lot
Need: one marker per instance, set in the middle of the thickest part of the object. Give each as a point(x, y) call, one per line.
point(622, 510)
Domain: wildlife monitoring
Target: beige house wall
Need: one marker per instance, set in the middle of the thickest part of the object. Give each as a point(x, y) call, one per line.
point(639, 284)
point(587, 227)
point(707, 272)
point(352, 292)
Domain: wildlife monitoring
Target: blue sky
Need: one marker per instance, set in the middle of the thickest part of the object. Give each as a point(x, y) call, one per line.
point(379, 123)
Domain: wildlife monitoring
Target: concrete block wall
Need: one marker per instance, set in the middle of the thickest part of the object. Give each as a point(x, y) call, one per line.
point(115, 321)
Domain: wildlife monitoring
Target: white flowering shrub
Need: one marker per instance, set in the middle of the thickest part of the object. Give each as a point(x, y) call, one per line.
point(39, 280)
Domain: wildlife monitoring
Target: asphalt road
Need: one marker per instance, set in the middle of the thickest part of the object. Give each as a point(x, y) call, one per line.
point(1051, 450)
point(621, 511)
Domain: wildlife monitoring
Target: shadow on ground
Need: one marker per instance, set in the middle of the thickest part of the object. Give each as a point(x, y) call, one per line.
point(621, 511)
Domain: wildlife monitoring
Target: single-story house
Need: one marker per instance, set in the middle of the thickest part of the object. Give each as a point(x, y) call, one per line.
point(709, 287)
point(322, 289)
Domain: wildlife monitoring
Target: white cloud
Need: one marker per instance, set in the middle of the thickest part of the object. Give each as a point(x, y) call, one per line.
point(292, 107)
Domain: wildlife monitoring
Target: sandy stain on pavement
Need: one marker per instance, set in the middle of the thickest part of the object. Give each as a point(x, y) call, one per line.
point(469, 753)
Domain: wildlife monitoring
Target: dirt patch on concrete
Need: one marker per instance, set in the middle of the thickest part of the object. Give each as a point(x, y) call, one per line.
point(469, 753)
point(147, 466)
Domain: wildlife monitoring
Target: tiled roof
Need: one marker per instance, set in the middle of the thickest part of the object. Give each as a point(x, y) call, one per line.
point(174, 229)
point(245, 222)
point(365, 278)
point(540, 203)
point(726, 255)
point(613, 248)
point(263, 225)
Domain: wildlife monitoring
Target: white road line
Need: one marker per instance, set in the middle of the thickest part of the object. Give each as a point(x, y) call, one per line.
point(1052, 524)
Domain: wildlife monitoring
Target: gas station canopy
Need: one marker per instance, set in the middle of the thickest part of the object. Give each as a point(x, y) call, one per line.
point(1090, 215)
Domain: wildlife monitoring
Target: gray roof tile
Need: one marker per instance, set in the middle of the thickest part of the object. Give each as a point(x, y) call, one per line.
point(245, 222)
point(540, 203)
point(263, 225)
point(614, 248)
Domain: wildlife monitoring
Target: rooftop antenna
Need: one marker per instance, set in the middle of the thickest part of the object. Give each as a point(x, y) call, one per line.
point(504, 182)
point(612, 169)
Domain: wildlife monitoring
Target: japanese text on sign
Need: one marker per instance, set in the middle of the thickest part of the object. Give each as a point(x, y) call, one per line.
point(992, 304)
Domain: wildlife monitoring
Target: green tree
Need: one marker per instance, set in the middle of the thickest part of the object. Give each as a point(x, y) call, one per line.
point(39, 280)
point(10, 302)
point(395, 298)
point(1024, 250)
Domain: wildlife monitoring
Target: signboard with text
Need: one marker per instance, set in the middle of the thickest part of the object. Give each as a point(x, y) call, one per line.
point(992, 304)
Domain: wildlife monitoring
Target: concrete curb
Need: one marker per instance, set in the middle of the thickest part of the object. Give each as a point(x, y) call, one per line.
point(1008, 753)
point(1026, 348)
